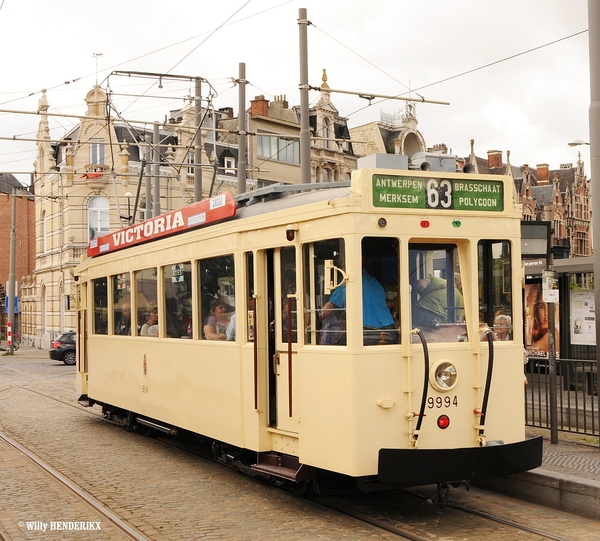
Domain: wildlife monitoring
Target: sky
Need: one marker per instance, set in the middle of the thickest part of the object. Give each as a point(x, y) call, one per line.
point(515, 73)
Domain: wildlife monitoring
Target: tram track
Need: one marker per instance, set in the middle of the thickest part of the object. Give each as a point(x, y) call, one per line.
point(124, 527)
point(386, 519)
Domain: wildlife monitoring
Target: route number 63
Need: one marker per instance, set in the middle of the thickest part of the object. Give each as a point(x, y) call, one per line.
point(439, 193)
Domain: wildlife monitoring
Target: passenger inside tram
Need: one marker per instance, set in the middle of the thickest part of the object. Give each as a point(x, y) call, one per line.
point(378, 323)
point(431, 308)
point(215, 325)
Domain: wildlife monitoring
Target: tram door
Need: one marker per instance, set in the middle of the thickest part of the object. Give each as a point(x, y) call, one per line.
point(283, 338)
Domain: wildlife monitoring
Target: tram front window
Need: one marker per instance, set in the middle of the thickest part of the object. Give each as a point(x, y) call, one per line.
point(437, 304)
point(380, 295)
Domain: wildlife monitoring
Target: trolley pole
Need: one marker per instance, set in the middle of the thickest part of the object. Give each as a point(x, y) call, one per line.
point(594, 118)
point(304, 124)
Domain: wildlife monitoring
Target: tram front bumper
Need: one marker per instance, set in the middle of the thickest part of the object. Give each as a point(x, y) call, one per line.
point(413, 467)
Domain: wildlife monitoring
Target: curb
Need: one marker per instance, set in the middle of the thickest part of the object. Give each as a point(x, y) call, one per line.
point(550, 489)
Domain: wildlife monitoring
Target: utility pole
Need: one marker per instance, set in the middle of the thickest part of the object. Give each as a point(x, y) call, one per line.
point(11, 271)
point(241, 176)
point(594, 116)
point(156, 171)
point(304, 125)
point(198, 140)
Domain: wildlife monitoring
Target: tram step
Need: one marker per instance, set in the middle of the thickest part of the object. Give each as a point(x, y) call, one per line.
point(284, 466)
point(278, 471)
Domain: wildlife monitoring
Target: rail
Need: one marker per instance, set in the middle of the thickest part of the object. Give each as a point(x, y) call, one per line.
point(576, 391)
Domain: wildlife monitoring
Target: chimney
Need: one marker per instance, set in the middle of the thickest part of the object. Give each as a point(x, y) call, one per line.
point(228, 111)
point(259, 106)
point(542, 174)
point(494, 158)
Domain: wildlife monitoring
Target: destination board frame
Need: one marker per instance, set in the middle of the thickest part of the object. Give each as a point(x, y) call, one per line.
point(423, 193)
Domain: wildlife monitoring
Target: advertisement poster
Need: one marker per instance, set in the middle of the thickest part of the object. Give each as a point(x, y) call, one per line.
point(583, 317)
point(536, 322)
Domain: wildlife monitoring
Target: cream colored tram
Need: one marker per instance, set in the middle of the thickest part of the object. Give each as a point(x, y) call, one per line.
point(296, 383)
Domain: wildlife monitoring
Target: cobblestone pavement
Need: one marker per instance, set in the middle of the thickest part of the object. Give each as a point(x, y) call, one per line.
point(164, 492)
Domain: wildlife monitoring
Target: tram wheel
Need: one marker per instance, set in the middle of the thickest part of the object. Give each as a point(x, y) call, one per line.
point(302, 488)
point(148, 431)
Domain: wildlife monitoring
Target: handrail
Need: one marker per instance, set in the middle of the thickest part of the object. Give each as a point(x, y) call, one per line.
point(289, 340)
point(425, 384)
point(488, 381)
point(255, 338)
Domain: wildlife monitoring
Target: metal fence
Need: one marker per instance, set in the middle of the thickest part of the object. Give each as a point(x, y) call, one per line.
point(576, 395)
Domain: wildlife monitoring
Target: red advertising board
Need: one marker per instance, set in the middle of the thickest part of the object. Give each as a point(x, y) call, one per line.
point(193, 216)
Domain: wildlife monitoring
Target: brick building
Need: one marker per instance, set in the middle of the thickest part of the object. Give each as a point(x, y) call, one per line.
point(25, 236)
point(560, 196)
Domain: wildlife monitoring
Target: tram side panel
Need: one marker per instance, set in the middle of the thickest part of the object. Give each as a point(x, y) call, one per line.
point(195, 386)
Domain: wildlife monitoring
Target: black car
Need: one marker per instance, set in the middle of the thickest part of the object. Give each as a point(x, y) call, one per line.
point(63, 348)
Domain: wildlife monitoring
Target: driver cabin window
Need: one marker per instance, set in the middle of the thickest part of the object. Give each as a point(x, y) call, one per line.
point(437, 304)
point(380, 291)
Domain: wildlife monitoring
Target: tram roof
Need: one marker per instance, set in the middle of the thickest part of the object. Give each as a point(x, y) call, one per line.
point(283, 196)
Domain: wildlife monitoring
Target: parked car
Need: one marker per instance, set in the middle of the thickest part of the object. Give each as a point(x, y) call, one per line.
point(63, 348)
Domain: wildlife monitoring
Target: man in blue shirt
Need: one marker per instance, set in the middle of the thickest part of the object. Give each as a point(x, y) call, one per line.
point(378, 323)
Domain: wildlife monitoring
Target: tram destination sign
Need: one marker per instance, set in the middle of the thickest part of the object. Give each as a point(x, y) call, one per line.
point(400, 191)
point(193, 216)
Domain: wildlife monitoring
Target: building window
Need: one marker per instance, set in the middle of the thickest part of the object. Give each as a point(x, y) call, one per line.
point(97, 151)
point(326, 133)
point(44, 232)
point(98, 218)
point(281, 149)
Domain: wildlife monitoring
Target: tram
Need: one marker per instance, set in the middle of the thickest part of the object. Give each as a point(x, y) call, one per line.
point(344, 327)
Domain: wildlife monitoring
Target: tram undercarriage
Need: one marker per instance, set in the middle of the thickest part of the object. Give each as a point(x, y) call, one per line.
point(397, 468)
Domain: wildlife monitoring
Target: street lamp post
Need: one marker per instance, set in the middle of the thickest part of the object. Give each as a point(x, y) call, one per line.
point(594, 120)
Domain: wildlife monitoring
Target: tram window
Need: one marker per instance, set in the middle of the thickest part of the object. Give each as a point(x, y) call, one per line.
point(121, 288)
point(324, 327)
point(100, 288)
point(178, 301)
point(495, 287)
point(288, 287)
point(437, 304)
point(146, 300)
point(380, 291)
point(217, 301)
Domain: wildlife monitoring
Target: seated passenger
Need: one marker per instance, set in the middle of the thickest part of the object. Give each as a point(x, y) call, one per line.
point(432, 306)
point(378, 323)
point(503, 327)
point(152, 320)
point(215, 325)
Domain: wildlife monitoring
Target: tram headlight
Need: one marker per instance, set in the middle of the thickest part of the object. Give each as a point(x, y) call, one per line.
point(443, 375)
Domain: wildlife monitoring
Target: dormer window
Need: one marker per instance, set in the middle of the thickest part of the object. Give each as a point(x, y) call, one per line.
point(229, 164)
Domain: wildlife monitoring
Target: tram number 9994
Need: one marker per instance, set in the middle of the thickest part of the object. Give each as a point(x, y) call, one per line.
point(442, 402)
